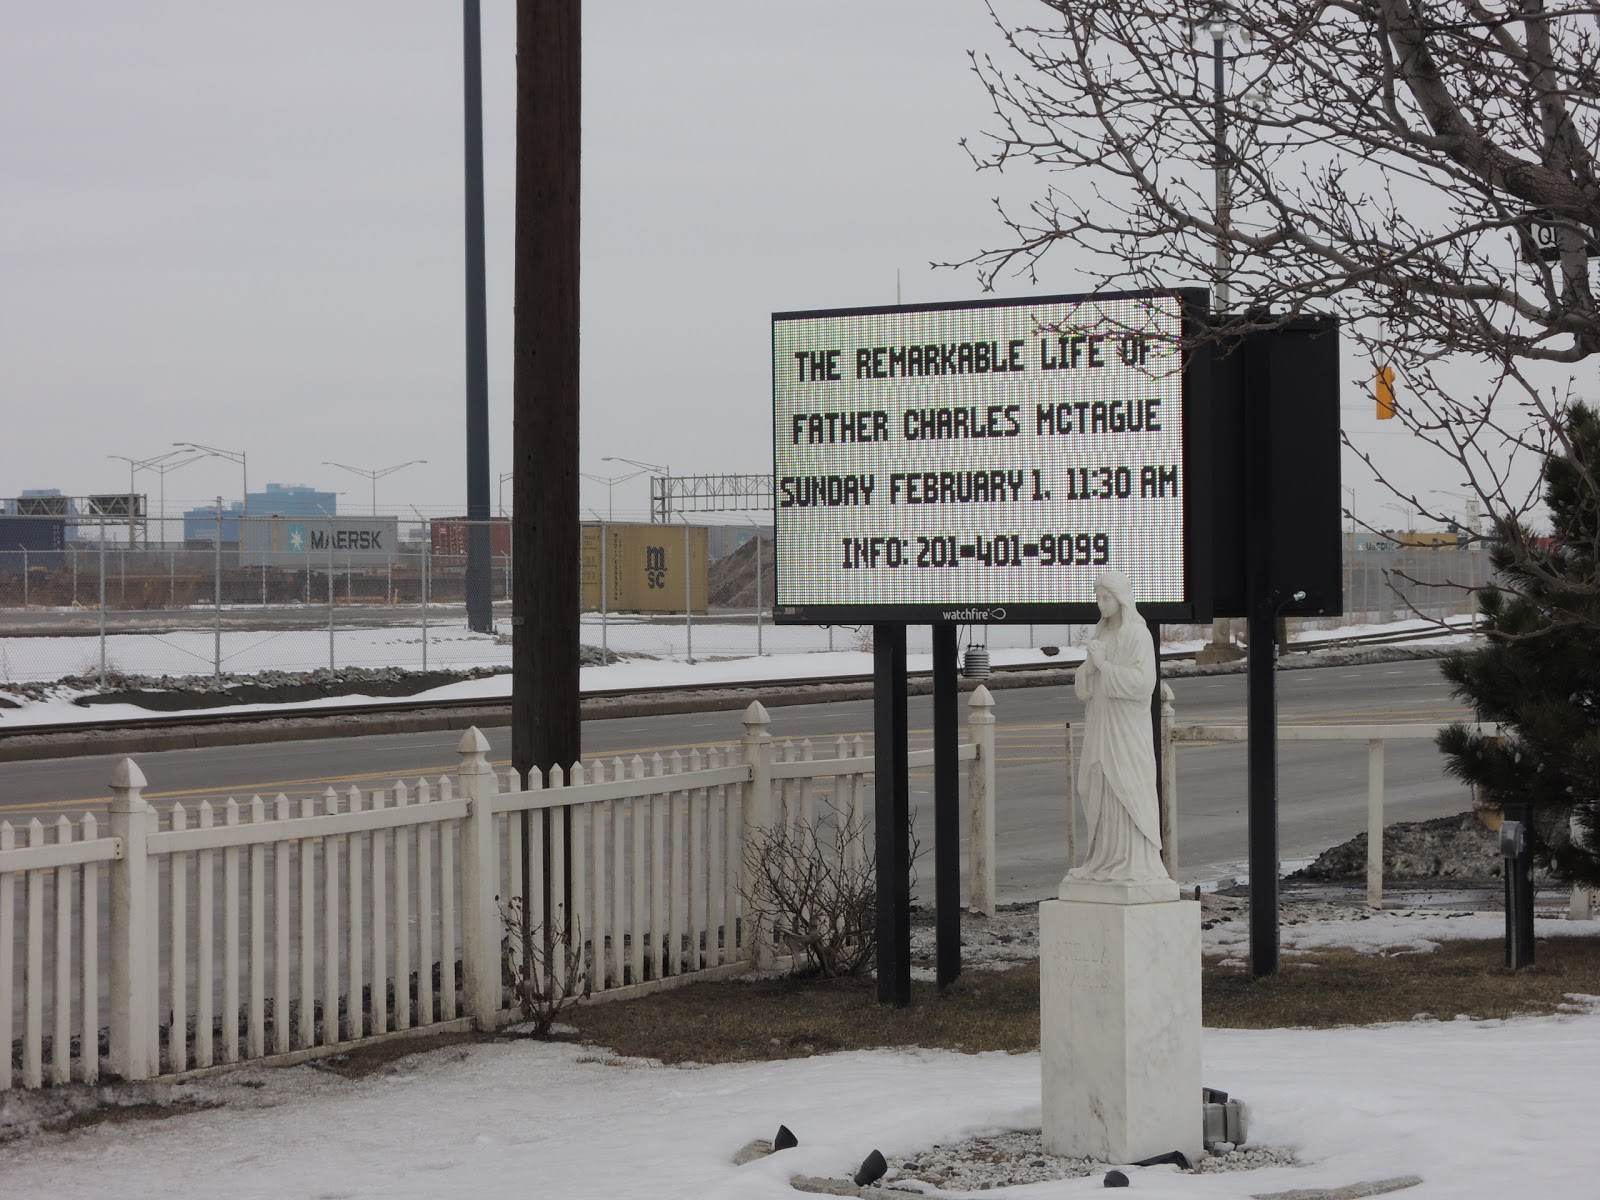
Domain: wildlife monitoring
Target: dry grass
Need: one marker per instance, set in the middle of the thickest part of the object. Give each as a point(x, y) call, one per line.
point(1342, 987)
point(744, 1021)
point(124, 1114)
point(741, 1021)
point(375, 1057)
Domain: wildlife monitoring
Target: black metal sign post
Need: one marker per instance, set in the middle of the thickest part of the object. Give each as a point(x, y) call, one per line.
point(892, 811)
point(1261, 703)
point(946, 808)
point(1261, 720)
point(1276, 545)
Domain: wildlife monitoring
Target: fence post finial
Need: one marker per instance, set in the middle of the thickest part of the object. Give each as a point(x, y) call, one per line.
point(981, 700)
point(127, 780)
point(756, 719)
point(480, 914)
point(757, 818)
point(132, 983)
point(473, 746)
point(980, 803)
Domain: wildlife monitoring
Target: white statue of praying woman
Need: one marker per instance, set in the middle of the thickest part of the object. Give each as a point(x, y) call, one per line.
point(1117, 771)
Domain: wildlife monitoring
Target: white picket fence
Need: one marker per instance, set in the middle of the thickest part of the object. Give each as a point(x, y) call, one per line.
point(286, 929)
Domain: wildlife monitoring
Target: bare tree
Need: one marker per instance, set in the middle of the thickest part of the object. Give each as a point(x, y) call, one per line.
point(1381, 159)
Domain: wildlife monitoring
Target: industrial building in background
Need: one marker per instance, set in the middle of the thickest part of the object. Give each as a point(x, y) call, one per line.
point(200, 524)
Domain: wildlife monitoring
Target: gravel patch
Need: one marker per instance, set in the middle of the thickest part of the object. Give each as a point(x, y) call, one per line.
point(994, 943)
point(1001, 1160)
point(1018, 1157)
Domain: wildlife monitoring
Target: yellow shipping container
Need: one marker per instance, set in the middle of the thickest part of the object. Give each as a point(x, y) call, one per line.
point(1427, 540)
point(644, 567)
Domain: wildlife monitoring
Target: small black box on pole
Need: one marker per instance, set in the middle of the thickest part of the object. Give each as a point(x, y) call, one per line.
point(1283, 443)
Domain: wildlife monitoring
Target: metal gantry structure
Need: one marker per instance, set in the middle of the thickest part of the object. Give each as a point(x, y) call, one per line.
point(671, 494)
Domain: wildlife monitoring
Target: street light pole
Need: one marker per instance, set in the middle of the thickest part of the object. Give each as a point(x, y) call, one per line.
point(666, 484)
point(161, 467)
point(374, 474)
point(1222, 648)
point(159, 464)
point(611, 482)
point(1472, 520)
point(1471, 511)
point(132, 466)
point(237, 456)
point(1349, 557)
point(1405, 510)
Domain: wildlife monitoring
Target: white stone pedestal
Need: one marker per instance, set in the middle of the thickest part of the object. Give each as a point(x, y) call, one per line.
point(1119, 988)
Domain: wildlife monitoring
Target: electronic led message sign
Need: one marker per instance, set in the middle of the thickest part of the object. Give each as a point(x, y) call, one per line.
point(982, 461)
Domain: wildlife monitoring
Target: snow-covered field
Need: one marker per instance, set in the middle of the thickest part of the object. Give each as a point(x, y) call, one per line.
point(722, 654)
point(1475, 1108)
point(247, 651)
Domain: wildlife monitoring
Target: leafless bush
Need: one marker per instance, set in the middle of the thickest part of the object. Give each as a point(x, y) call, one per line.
point(542, 964)
point(818, 893)
point(816, 887)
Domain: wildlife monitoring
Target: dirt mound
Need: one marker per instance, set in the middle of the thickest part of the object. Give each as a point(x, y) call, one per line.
point(194, 692)
point(731, 581)
point(1457, 847)
point(172, 695)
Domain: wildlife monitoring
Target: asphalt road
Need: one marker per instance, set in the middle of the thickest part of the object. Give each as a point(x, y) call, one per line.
point(1322, 786)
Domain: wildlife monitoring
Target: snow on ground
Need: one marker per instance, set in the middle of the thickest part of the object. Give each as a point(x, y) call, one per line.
point(244, 651)
point(1476, 1108)
point(1416, 932)
point(725, 654)
point(1012, 934)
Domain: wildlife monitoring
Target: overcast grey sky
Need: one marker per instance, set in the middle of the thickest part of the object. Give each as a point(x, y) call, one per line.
point(241, 224)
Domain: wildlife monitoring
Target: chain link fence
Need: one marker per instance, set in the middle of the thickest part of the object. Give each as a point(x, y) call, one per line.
point(300, 594)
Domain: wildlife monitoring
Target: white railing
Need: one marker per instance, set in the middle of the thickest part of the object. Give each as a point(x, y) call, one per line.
point(279, 930)
point(1374, 735)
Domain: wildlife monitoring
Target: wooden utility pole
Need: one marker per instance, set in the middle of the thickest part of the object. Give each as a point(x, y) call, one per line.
point(544, 654)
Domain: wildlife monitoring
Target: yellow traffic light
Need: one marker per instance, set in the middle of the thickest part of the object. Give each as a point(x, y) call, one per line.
point(1385, 392)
